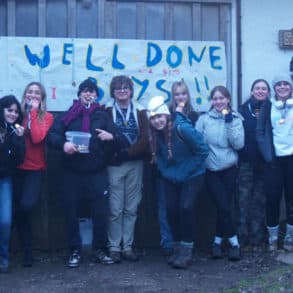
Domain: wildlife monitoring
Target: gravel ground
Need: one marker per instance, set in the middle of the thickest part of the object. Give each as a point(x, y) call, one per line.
point(256, 272)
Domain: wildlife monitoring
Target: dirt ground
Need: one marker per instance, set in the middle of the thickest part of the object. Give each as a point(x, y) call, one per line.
point(256, 272)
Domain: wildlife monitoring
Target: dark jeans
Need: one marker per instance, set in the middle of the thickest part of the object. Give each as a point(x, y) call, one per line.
point(95, 188)
point(221, 186)
point(279, 179)
point(26, 191)
point(180, 199)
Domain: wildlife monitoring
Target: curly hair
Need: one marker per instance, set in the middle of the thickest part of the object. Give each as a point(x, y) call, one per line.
point(7, 102)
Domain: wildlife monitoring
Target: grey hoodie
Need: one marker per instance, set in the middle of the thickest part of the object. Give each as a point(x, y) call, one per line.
point(223, 138)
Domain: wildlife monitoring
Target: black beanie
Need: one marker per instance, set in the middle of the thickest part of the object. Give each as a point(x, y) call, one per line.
point(88, 84)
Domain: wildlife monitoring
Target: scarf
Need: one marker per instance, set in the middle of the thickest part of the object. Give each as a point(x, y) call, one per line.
point(78, 109)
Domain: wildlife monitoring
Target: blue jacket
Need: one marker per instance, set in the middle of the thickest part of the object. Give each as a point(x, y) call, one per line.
point(188, 149)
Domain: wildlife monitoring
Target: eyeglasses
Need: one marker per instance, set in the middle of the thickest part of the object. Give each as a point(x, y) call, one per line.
point(125, 88)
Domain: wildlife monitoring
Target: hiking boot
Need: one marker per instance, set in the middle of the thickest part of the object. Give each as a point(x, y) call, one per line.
point(183, 259)
point(100, 256)
point(74, 259)
point(116, 256)
point(234, 253)
point(273, 245)
point(27, 258)
point(129, 255)
point(217, 251)
point(288, 243)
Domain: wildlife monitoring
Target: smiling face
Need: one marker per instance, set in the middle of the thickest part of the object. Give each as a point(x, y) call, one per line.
point(87, 96)
point(33, 94)
point(11, 114)
point(159, 121)
point(219, 101)
point(122, 94)
point(180, 95)
point(283, 90)
point(260, 91)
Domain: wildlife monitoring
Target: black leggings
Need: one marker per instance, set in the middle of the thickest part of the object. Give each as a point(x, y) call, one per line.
point(279, 179)
point(221, 186)
point(180, 198)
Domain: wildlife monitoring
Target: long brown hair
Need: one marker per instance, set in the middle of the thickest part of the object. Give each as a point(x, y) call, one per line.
point(168, 139)
point(188, 107)
point(42, 106)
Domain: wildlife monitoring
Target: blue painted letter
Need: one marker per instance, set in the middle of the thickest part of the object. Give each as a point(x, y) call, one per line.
point(159, 84)
point(158, 55)
point(34, 59)
point(193, 56)
point(89, 64)
point(67, 49)
point(178, 52)
point(144, 84)
point(115, 63)
point(214, 58)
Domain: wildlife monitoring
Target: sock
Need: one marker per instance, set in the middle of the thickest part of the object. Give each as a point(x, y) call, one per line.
point(218, 240)
point(234, 241)
point(273, 233)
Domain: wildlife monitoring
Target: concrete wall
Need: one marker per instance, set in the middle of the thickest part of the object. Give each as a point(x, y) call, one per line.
point(261, 56)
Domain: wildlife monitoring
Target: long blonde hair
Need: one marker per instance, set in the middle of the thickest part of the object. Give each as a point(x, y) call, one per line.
point(42, 106)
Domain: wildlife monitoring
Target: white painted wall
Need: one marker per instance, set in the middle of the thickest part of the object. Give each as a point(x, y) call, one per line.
point(261, 55)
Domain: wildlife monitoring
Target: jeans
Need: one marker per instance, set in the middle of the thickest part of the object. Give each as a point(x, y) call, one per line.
point(26, 191)
point(180, 198)
point(165, 230)
point(93, 187)
point(221, 185)
point(278, 179)
point(5, 218)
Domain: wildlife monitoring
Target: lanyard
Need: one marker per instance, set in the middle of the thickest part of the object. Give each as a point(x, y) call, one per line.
point(124, 117)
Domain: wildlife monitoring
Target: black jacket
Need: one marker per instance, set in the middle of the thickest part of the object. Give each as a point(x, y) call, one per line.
point(100, 153)
point(12, 151)
point(264, 133)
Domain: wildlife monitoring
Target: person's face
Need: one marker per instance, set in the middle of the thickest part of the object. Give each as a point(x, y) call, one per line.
point(122, 93)
point(159, 121)
point(33, 95)
point(219, 101)
point(283, 90)
point(180, 95)
point(87, 96)
point(260, 91)
point(11, 114)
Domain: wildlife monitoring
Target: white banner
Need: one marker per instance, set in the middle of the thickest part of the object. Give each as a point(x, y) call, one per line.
point(62, 63)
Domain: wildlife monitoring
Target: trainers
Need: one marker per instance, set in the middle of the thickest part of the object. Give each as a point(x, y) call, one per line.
point(273, 245)
point(116, 256)
point(288, 243)
point(129, 255)
point(217, 251)
point(74, 259)
point(100, 256)
point(234, 253)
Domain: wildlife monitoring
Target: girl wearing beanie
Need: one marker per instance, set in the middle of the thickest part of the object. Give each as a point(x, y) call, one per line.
point(275, 141)
point(179, 152)
point(223, 131)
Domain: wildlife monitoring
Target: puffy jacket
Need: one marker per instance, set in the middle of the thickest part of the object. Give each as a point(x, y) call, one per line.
point(223, 138)
point(188, 152)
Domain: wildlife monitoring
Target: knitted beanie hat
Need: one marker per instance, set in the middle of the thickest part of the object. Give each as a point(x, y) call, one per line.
point(157, 106)
point(283, 77)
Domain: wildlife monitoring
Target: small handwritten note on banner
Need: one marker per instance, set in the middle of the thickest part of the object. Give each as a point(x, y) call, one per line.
point(62, 63)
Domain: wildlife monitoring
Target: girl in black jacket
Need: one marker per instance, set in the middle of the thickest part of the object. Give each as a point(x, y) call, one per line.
point(12, 150)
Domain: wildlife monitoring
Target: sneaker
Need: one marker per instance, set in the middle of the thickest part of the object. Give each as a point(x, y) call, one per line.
point(217, 251)
point(288, 243)
point(116, 256)
point(129, 255)
point(74, 259)
point(100, 256)
point(234, 253)
point(273, 245)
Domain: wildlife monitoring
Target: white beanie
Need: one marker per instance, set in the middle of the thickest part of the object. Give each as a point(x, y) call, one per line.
point(283, 77)
point(156, 106)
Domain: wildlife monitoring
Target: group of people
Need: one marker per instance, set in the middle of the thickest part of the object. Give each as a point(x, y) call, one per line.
point(244, 158)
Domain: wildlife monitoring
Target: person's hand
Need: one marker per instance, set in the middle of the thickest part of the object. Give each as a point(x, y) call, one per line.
point(104, 135)
point(180, 107)
point(35, 103)
point(70, 148)
point(19, 130)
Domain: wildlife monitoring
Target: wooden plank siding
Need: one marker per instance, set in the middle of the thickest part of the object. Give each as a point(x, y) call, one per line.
point(208, 20)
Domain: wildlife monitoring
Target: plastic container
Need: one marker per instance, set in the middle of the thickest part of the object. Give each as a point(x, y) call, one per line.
point(81, 139)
